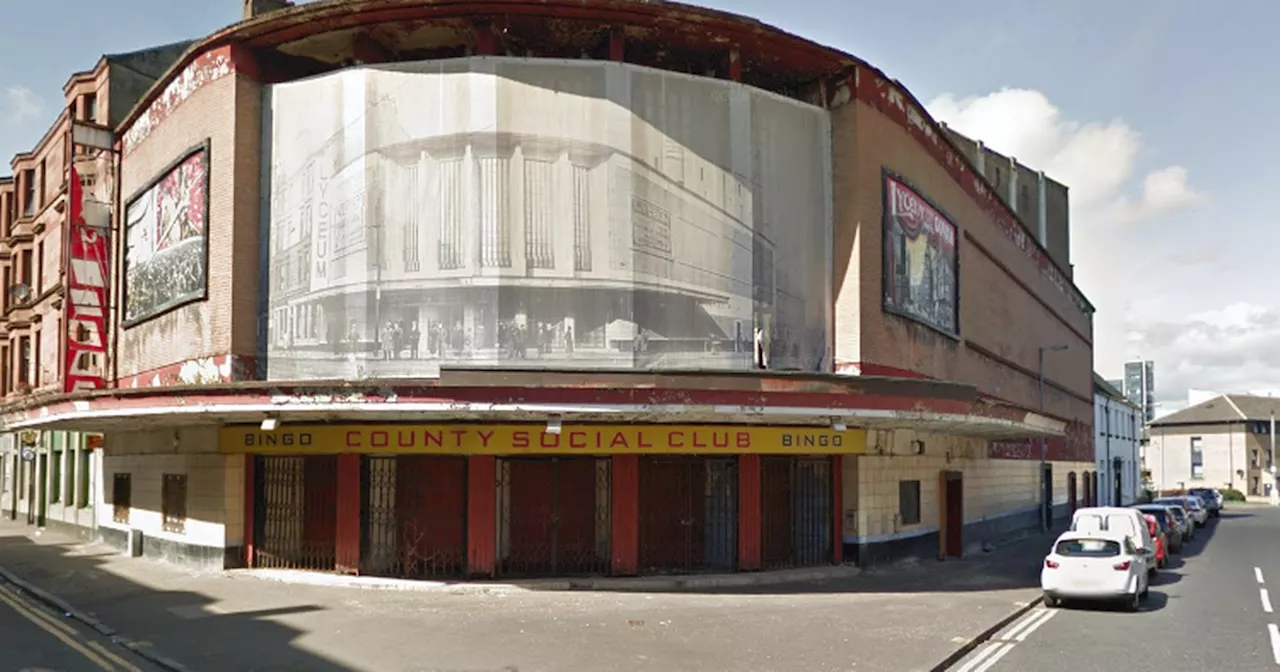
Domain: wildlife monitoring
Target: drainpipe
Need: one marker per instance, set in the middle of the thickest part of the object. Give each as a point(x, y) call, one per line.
point(1042, 214)
point(1107, 466)
point(1013, 185)
point(1275, 483)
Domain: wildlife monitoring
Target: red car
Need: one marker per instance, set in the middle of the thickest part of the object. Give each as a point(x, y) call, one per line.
point(1157, 533)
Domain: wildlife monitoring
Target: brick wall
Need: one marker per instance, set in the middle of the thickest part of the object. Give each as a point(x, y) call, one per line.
point(226, 112)
point(1002, 323)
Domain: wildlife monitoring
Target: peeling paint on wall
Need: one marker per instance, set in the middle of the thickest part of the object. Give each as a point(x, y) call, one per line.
point(1076, 446)
point(209, 67)
point(216, 370)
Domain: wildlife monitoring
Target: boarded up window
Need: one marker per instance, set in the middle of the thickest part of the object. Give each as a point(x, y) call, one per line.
point(909, 502)
point(174, 503)
point(121, 497)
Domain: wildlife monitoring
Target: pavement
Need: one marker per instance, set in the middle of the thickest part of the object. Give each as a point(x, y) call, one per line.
point(1210, 610)
point(906, 618)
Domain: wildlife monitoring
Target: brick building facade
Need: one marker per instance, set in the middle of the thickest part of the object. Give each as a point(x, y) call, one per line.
point(662, 421)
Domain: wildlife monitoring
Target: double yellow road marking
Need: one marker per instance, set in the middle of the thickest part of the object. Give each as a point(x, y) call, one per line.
point(93, 651)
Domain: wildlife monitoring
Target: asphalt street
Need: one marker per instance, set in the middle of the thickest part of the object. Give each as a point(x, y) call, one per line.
point(1211, 609)
point(35, 639)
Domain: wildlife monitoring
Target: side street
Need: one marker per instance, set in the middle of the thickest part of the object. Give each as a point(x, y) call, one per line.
point(907, 618)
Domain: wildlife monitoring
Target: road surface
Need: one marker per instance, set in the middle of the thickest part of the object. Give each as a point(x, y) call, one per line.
point(1212, 609)
point(34, 639)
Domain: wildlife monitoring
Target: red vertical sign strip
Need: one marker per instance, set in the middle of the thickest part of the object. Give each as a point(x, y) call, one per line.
point(86, 299)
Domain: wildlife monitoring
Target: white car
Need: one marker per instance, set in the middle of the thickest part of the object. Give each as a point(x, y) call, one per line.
point(1095, 566)
point(1119, 520)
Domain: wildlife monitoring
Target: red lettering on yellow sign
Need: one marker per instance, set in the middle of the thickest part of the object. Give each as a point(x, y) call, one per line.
point(534, 439)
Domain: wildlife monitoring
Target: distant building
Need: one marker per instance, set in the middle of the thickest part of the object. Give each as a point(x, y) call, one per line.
point(1223, 442)
point(1117, 428)
point(1140, 386)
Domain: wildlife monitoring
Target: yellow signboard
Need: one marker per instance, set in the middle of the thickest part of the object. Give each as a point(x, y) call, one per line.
point(481, 439)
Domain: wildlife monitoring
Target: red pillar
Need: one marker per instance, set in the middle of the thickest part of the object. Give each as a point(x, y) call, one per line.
point(250, 504)
point(347, 533)
point(749, 522)
point(735, 65)
point(625, 526)
point(617, 45)
point(482, 515)
point(486, 42)
point(837, 509)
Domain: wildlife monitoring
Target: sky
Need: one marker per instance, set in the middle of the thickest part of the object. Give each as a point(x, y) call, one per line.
point(1144, 108)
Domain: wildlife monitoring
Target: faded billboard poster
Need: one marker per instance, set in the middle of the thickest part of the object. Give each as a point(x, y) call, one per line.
point(919, 259)
point(516, 213)
point(165, 260)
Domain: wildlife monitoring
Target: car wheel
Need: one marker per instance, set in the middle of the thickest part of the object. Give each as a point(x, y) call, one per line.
point(1133, 602)
point(1051, 602)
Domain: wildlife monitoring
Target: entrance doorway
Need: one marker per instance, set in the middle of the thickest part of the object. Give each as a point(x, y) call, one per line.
point(1117, 482)
point(1046, 496)
point(1071, 491)
point(951, 515)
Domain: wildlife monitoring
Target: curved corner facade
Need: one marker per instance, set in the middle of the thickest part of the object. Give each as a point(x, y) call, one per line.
point(511, 212)
point(434, 309)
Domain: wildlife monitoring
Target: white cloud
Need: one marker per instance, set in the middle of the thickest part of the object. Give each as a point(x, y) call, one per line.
point(1164, 192)
point(21, 105)
point(1231, 349)
point(1095, 159)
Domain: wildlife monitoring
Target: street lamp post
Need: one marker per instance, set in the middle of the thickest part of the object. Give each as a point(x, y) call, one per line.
point(1275, 480)
point(1044, 446)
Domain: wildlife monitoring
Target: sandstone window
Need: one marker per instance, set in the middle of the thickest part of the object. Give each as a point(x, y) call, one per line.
point(28, 193)
point(89, 107)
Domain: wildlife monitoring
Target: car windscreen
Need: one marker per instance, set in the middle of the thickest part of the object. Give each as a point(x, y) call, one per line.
point(1088, 548)
point(1177, 512)
point(1161, 515)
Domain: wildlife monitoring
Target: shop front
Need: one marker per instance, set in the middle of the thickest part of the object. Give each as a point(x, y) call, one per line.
point(518, 500)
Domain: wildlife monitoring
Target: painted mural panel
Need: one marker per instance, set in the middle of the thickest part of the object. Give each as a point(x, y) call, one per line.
point(919, 259)
point(514, 213)
point(166, 254)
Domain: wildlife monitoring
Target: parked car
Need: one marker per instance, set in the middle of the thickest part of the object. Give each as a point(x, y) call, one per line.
point(1172, 526)
point(1184, 520)
point(1199, 512)
point(1103, 566)
point(1157, 533)
point(1128, 522)
point(1195, 512)
point(1211, 498)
